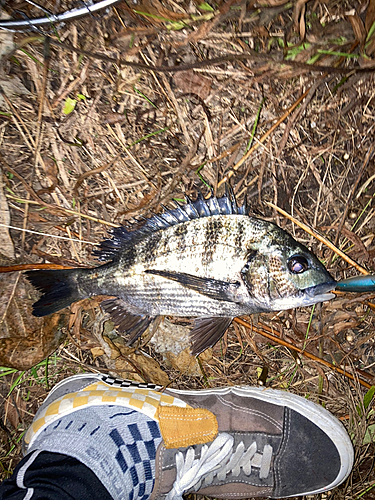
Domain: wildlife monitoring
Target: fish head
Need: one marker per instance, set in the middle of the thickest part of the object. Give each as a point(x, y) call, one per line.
point(283, 274)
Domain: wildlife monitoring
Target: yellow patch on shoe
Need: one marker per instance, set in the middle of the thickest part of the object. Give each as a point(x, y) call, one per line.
point(181, 427)
point(146, 401)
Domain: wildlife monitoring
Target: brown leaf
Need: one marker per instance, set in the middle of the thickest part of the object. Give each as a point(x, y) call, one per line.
point(24, 352)
point(360, 247)
point(299, 17)
point(358, 28)
point(15, 409)
point(370, 16)
point(97, 352)
point(344, 325)
point(192, 83)
point(130, 363)
point(24, 339)
point(187, 364)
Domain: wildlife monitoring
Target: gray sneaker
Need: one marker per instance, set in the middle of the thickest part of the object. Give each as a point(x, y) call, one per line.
point(270, 443)
point(240, 442)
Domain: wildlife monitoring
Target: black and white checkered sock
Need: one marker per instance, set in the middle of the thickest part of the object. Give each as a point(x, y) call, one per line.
point(118, 444)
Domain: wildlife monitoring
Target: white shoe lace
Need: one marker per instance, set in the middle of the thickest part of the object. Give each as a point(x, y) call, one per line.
point(218, 460)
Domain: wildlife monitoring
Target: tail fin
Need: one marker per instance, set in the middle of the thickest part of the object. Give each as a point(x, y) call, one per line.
point(59, 289)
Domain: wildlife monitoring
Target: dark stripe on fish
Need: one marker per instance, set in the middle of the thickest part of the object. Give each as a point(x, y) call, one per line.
point(151, 247)
point(130, 256)
point(238, 241)
point(213, 231)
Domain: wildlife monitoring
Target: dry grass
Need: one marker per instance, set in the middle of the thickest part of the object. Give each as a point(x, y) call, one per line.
point(138, 138)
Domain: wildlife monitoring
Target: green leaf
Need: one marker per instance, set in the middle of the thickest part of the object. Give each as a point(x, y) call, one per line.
point(176, 25)
point(81, 97)
point(205, 6)
point(370, 434)
point(69, 106)
point(368, 397)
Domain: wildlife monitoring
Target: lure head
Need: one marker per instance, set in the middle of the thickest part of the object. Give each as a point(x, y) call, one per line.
point(283, 274)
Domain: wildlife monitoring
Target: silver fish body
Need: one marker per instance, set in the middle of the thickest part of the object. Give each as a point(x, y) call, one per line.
point(206, 259)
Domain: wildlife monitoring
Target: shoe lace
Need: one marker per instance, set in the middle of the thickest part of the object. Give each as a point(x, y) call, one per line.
point(217, 459)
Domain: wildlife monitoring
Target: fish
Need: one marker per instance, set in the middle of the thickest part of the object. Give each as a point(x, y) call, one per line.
point(207, 259)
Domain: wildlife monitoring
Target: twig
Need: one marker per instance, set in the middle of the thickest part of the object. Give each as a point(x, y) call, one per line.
point(26, 267)
point(307, 354)
point(64, 210)
point(252, 55)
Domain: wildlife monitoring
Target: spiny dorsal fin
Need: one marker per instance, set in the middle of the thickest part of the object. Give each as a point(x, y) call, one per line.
point(123, 237)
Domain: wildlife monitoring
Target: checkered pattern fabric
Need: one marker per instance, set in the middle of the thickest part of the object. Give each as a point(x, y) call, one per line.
point(136, 457)
point(144, 400)
point(120, 382)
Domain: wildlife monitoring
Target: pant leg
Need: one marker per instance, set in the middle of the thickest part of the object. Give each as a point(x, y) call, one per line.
point(43, 475)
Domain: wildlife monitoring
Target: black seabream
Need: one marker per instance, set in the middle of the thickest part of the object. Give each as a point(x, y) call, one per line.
point(207, 259)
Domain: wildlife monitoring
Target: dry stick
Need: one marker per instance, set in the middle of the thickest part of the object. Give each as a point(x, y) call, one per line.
point(307, 354)
point(39, 201)
point(38, 134)
point(26, 267)
point(262, 139)
point(64, 210)
point(350, 197)
point(94, 171)
point(358, 370)
point(251, 55)
point(322, 239)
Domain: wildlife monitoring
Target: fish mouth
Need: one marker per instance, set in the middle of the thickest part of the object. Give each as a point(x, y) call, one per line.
point(322, 290)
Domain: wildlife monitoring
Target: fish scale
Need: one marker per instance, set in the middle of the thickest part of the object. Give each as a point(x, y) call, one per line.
point(206, 259)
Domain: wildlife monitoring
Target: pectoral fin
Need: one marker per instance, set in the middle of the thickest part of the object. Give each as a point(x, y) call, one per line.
point(125, 322)
point(206, 332)
point(214, 289)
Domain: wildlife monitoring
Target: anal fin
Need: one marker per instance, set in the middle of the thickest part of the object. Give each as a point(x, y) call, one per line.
point(206, 332)
point(126, 322)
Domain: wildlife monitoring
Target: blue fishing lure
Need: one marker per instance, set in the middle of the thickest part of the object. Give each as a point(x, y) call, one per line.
point(357, 284)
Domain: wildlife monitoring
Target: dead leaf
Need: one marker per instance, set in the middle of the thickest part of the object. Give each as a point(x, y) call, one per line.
point(358, 28)
point(12, 87)
point(187, 364)
point(24, 339)
point(132, 363)
point(192, 83)
point(6, 243)
point(299, 17)
point(344, 325)
point(96, 352)
point(356, 240)
point(173, 342)
point(370, 16)
point(15, 409)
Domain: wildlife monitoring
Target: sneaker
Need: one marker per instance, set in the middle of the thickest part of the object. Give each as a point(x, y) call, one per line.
point(237, 441)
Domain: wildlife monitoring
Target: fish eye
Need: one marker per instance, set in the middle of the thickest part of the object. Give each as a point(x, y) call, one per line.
point(298, 264)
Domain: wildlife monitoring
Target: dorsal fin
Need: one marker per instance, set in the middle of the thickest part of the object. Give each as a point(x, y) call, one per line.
point(123, 237)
